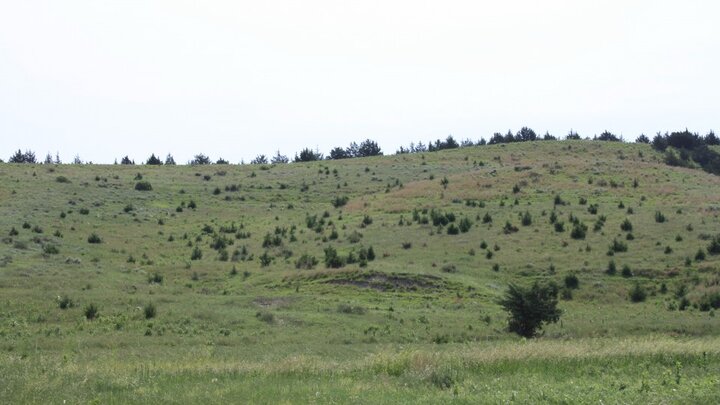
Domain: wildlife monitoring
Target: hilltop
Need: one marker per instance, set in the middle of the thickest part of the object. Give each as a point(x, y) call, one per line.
point(290, 271)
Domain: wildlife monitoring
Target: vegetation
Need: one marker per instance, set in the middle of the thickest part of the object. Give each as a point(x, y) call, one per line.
point(365, 280)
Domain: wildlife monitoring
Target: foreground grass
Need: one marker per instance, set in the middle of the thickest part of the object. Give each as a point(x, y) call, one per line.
point(653, 369)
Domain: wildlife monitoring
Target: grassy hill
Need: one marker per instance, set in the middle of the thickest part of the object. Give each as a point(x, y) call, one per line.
point(211, 283)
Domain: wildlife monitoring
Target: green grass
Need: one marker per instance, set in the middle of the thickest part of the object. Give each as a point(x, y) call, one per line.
point(272, 331)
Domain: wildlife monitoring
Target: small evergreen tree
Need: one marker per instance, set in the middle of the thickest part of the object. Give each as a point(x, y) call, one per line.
point(530, 308)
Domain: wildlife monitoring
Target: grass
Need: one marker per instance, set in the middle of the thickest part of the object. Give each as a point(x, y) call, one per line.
point(247, 310)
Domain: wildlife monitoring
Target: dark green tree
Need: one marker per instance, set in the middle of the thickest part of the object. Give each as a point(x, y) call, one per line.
point(530, 308)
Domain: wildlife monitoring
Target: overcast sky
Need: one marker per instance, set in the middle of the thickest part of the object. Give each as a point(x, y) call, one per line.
point(234, 79)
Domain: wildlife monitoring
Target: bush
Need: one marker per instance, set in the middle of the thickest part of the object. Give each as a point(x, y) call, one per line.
point(626, 226)
point(453, 230)
point(340, 201)
point(62, 179)
point(637, 294)
point(50, 249)
point(149, 310)
point(579, 231)
point(526, 219)
point(659, 217)
point(155, 278)
point(612, 268)
point(143, 186)
point(626, 272)
point(509, 228)
point(94, 238)
point(266, 317)
point(617, 246)
point(449, 268)
point(530, 308)
point(65, 302)
point(91, 312)
point(306, 262)
point(349, 309)
point(571, 281)
point(700, 255)
point(465, 225)
point(196, 253)
point(714, 246)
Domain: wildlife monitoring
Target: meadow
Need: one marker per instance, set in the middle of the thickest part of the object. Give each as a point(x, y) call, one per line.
point(369, 280)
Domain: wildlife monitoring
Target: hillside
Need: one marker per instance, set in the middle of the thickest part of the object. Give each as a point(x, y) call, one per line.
point(360, 279)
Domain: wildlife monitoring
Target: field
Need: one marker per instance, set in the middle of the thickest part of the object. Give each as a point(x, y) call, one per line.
point(371, 280)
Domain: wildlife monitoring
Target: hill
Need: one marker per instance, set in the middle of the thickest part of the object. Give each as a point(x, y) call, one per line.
point(361, 280)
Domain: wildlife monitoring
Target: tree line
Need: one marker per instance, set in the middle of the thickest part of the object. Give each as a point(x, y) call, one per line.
point(681, 149)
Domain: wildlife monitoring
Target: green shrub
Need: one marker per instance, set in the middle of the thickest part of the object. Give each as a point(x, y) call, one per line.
point(612, 268)
point(509, 228)
point(51, 249)
point(714, 246)
point(659, 217)
point(306, 262)
point(626, 226)
point(526, 219)
point(700, 255)
point(465, 225)
point(149, 310)
point(579, 231)
point(196, 253)
point(143, 186)
point(626, 272)
point(350, 309)
point(91, 312)
point(155, 278)
point(62, 179)
point(572, 282)
point(94, 238)
point(617, 246)
point(453, 230)
point(530, 308)
point(340, 201)
point(65, 302)
point(637, 294)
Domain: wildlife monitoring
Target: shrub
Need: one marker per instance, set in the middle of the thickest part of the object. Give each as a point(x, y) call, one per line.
point(526, 219)
point(306, 261)
point(349, 309)
point(449, 268)
point(196, 253)
point(659, 217)
point(128, 208)
point(149, 310)
point(367, 220)
point(530, 308)
point(50, 249)
point(406, 245)
point(571, 281)
point(626, 226)
point(332, 260)
point(143, 186)
point(91, 312)
point(700, 255)
point(453, 230)
point(714, 246)
point(637, 294)
point(626, 272)
point(62, 179)
point(94, 238)
point(340, 201)
point(465, 225)
point(155, 278)
point(487, 218)
point(266, 317)
point(617, 246)
point(265, 259)
point(509, 228)
point(612, 268)
point(65, 302)
point(579, 230)
point(559, 226)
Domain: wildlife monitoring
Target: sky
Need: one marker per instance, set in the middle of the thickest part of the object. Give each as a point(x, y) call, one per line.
point(234, 79)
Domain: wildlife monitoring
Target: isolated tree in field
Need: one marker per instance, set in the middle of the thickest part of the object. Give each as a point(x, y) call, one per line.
point(153, 160)
point(57, 158)
point(78, 161)
point(221, 161)
point(48, 159)
point(279, 159)
point(126, 161)
point(530, 308)
point(525, 134)
point(200, 159)
point(169, 160)
point(608, 136)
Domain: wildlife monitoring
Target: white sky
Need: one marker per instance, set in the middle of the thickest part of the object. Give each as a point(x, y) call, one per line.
point(103, 79)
